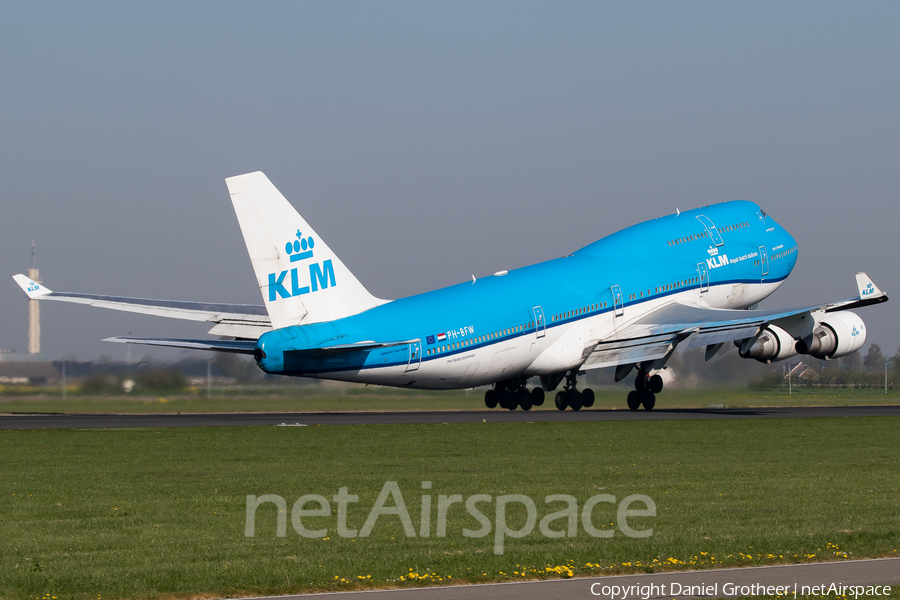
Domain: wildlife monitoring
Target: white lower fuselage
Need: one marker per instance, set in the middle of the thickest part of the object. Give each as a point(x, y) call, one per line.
point(559, 349)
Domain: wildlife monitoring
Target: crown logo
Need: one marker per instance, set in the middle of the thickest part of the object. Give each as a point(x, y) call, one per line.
point(301, 248)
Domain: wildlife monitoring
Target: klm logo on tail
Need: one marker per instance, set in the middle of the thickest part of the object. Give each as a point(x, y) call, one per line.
point(320, 275)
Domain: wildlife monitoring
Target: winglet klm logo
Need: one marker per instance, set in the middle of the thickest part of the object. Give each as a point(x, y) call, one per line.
point(870, 289)
point(33, 287)
point(320, 275)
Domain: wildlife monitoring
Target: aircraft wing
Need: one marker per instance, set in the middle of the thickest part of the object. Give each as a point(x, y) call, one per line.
point(247, 321)
point(235, 346)
point(656, 334)
point(249, 346)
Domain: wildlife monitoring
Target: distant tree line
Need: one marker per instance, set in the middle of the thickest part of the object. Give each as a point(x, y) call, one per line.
point(855, 370)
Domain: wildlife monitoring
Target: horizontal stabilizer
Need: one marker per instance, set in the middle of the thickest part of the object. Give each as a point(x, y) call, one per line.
point(358, 346)
point(235, 346)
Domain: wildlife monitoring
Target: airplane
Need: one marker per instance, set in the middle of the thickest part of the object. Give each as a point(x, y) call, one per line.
point(628, 300)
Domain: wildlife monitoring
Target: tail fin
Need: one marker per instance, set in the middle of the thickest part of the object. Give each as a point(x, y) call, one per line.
point(302, 281)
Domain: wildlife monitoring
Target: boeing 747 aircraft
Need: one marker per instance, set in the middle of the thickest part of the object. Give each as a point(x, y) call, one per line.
point(691, 279)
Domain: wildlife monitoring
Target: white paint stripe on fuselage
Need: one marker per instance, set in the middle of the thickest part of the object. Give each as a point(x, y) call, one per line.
point(528, 355)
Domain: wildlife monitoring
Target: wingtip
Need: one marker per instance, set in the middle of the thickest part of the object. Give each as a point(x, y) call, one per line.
point(32, 289)
point(867, 287)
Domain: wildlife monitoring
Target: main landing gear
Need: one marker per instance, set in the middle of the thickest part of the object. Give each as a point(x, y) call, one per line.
point(645, 389)
point(513, 394)
point(571, 397)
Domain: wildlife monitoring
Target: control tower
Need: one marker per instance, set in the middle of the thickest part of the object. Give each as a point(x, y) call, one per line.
point(34, 312)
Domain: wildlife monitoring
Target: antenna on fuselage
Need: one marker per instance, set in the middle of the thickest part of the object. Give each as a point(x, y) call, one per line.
point(677, 212)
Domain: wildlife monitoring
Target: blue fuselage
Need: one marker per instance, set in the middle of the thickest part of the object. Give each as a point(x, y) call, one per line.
point(729, 255)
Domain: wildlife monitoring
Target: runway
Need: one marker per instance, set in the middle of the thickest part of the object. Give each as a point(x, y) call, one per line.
point(711, 583)
point(116, 421)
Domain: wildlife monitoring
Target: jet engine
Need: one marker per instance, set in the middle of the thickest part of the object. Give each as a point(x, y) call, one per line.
point(837, 335)
point(773, 344)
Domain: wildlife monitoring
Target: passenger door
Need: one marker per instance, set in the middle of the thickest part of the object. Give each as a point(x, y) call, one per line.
point(711, 229)
point(618, 303)
point(415, 356)
point(704, 277)
point(540, 326)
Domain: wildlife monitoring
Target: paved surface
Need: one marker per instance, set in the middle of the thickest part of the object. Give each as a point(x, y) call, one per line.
point(112, 421)
point(725, 583)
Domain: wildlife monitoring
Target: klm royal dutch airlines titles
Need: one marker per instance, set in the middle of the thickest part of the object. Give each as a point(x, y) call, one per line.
point(702, 274)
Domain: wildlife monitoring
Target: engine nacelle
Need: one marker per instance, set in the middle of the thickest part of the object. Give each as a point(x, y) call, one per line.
point(837, 335)
point(773, 344)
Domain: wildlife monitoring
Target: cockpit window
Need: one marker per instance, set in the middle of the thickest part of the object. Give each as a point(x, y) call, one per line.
point(763, 213)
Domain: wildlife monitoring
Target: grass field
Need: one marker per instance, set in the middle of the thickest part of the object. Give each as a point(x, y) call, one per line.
point(154, 513)
point(348, 398)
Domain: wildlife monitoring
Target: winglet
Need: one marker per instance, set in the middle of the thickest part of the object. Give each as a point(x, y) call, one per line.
point(33, 289)
point(867, 288)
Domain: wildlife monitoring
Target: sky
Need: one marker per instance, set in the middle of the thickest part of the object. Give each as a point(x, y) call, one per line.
point(429, 142)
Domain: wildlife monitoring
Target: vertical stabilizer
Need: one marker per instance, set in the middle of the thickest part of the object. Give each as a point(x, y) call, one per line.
point(302, 281)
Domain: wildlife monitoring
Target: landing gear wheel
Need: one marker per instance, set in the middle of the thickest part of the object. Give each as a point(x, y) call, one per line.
point(587, 398)
point(490, 398)
point(648, 400)
point(561, 401)
point(634, 400)
point(640, 383)
point(656, 384)
point(574, 400)
point(512, 402)
point(523, 399)
point(537, 396)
